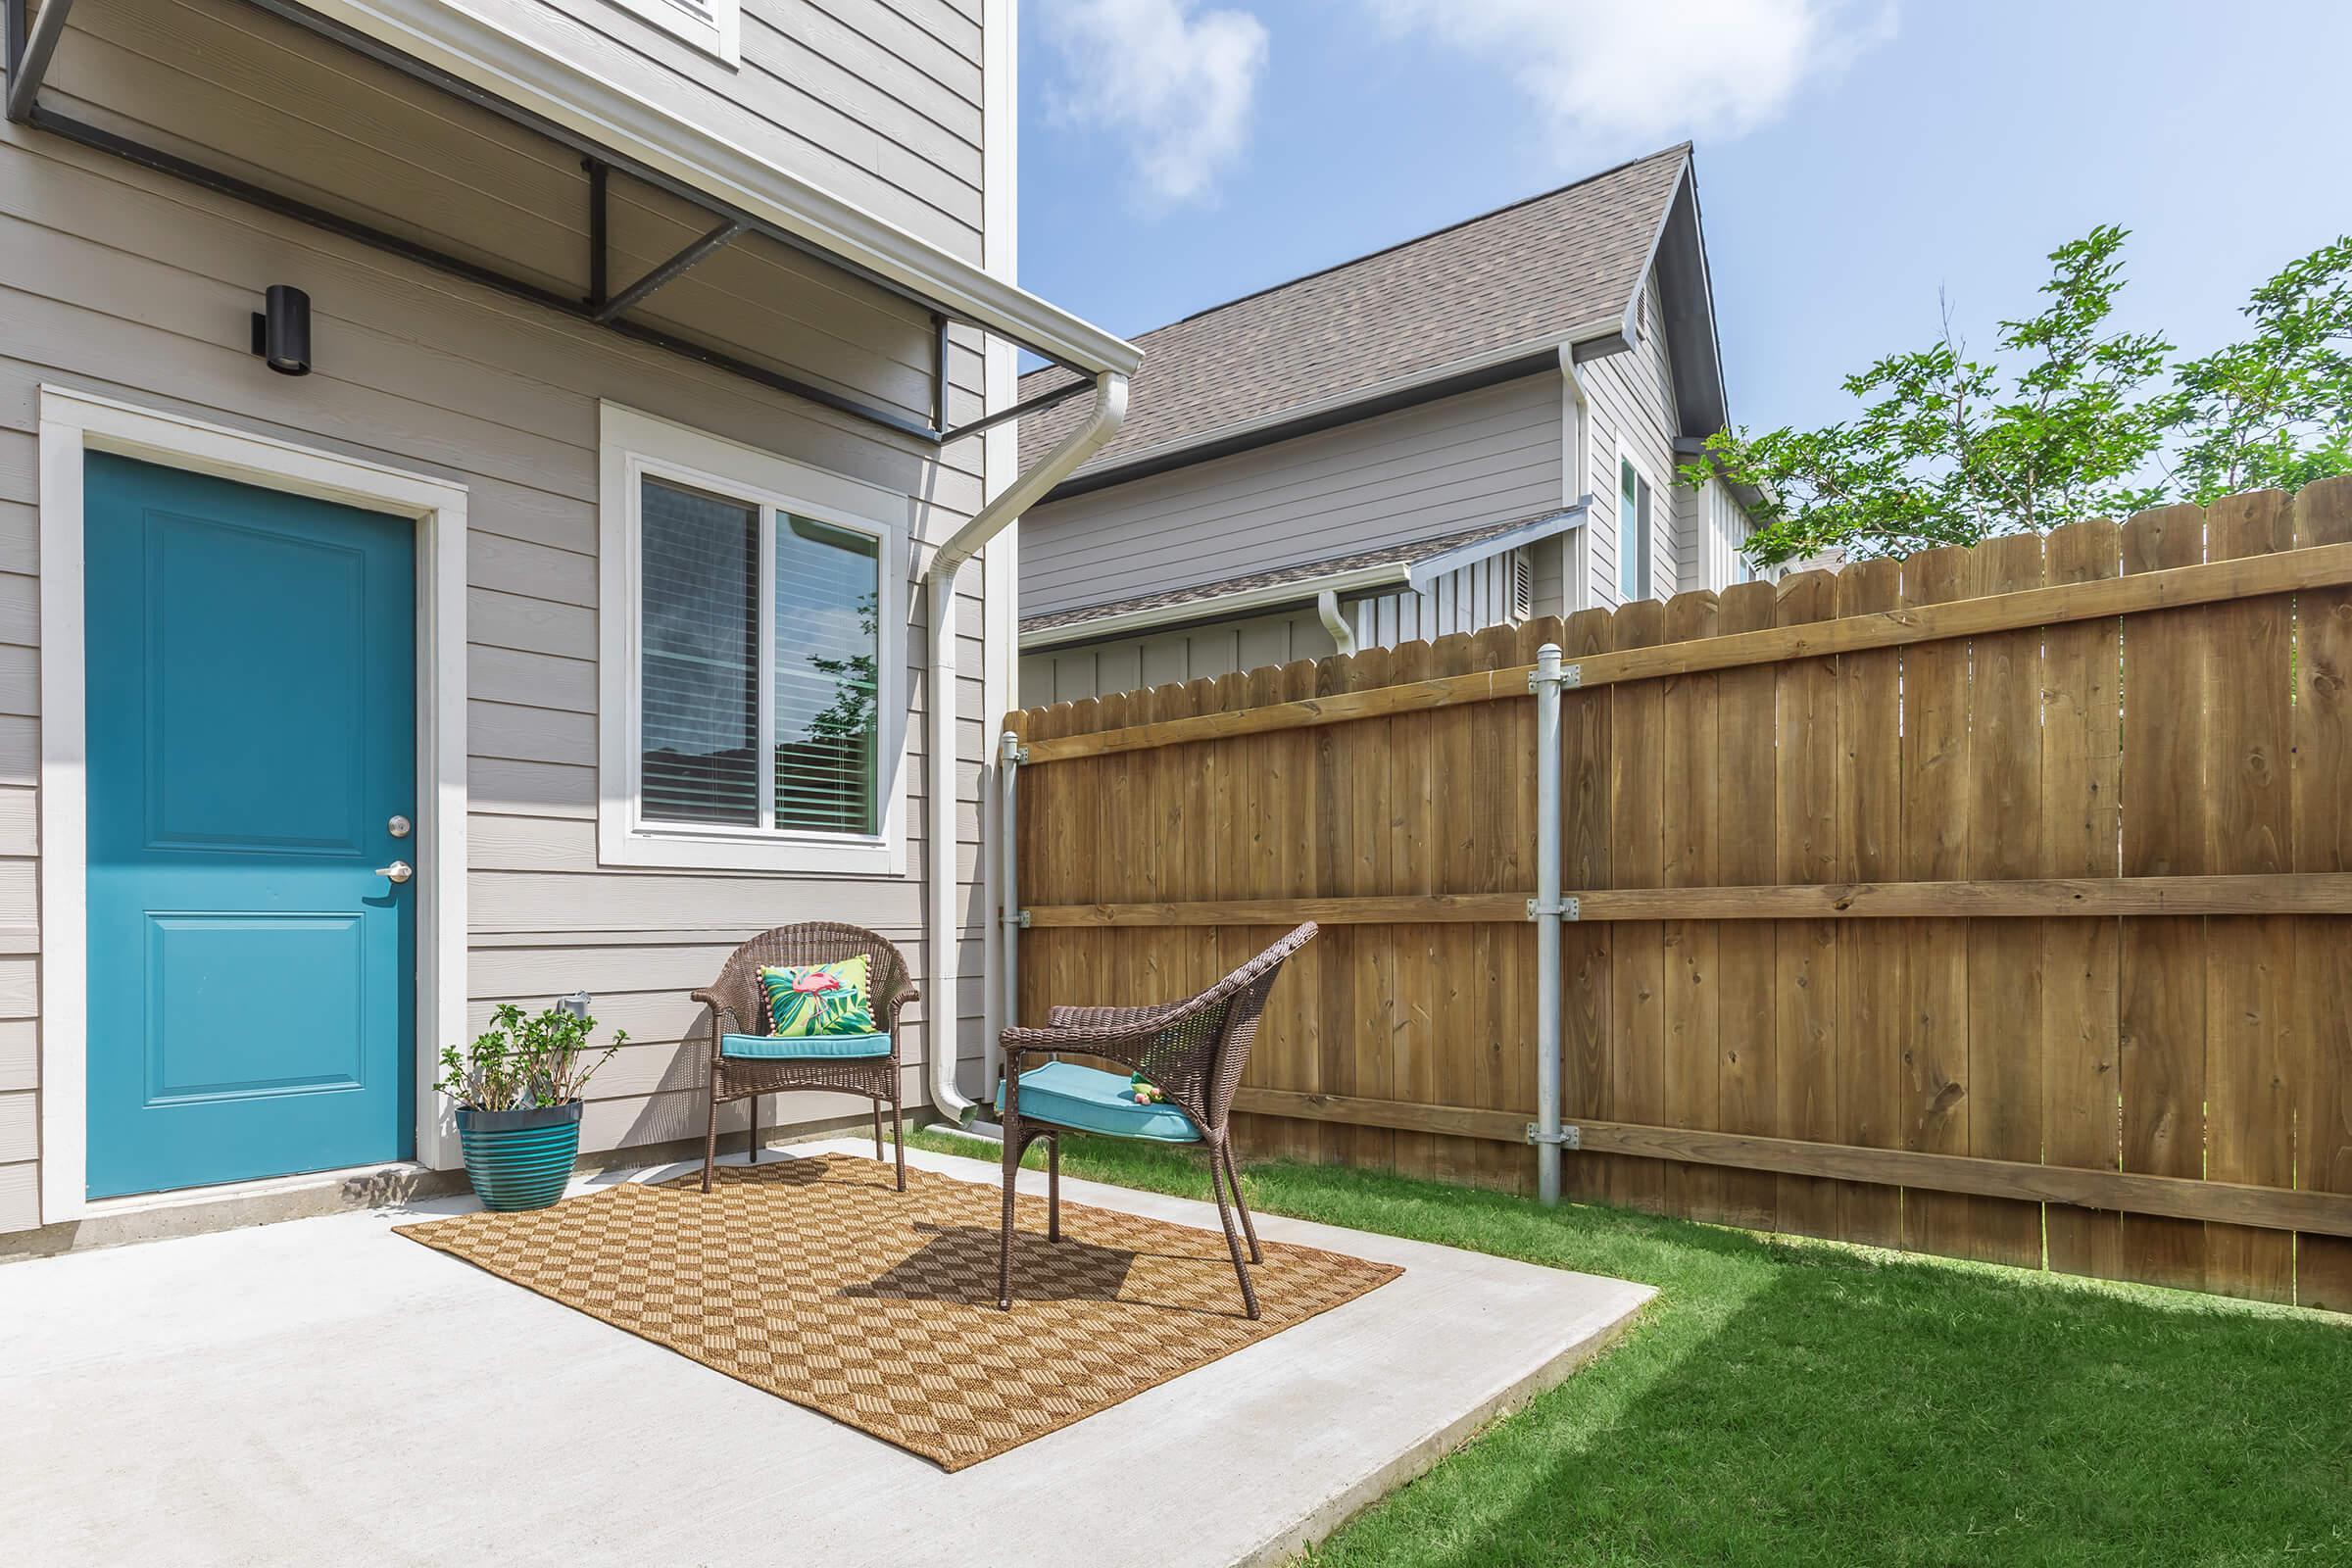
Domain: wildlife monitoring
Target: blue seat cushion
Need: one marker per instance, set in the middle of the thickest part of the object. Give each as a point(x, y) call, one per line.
point(803, 1048)
point(1096, 1102)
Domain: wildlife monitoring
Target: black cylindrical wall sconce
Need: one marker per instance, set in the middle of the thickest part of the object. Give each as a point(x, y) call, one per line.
point(281, 330)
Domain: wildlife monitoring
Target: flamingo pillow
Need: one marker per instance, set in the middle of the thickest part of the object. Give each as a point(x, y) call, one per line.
point(818, 999)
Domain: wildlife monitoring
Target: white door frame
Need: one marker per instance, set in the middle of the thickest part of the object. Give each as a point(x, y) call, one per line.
point(75, 423)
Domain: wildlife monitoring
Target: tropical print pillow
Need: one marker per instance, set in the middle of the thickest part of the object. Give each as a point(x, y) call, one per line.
point(818, 999)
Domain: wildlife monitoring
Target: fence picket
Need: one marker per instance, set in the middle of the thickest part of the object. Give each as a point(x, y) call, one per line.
point(1747, 1084)
point(1690, 799)
point(2081, 763)
point(2004, 957)
point(1935, 836)
point(2169, 697)
point(1871, 954)
point(2250, 961)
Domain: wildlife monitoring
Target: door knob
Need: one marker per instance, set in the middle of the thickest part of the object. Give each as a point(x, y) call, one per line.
point(398, 870)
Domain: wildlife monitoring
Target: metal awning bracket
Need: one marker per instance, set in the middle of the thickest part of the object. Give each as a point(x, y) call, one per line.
point(30, 50)
point(670, 272)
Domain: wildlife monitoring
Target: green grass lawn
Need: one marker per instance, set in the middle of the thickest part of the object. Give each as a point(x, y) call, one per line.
point(1800, 1402)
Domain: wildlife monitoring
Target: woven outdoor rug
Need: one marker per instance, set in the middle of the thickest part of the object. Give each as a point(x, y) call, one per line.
point(815, 1279)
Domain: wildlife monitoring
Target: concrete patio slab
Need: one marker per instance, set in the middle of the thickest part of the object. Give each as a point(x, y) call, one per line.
point(323, 1391)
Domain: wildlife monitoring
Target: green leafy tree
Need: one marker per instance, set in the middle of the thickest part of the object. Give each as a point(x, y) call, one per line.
point(2274, 411)
point(2072, 419)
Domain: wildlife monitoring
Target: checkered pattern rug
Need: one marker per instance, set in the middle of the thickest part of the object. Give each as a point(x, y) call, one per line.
point(815, 1279)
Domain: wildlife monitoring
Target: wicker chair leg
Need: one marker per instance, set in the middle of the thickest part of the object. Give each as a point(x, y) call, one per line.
point(1013, 1167)
point(1233, 1240)
point(1233, 1178)
point(1054, 1186)
point(898, 1129)
point(877, 1130)
point(710, 1134)
point(751, 1148)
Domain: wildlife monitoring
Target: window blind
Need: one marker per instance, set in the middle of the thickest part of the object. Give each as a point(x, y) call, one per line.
point(825, 658)
point(699, 619)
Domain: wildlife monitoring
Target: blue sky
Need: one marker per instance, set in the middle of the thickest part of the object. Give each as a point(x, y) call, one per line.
point(1853, 158)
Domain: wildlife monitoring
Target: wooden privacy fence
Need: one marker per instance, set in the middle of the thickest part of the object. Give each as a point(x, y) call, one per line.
point(1996, 902)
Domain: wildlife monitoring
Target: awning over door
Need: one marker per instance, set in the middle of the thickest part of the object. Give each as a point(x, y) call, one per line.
point(430, 132)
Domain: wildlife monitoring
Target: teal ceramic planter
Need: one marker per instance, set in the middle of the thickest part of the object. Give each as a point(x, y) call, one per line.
point(519, 1160)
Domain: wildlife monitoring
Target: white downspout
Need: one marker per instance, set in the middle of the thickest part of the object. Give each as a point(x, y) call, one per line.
point(1575, 427)
point(939, 596)
point(1326, 606)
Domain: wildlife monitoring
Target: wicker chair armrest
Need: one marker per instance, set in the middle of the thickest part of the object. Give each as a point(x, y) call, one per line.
point(1122, 1046)
point(1121, 1018)
point(724, 1016)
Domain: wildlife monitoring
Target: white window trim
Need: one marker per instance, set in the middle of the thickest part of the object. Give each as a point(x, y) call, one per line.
point(74, 424)
point(718, 34)
point(1625, 455)
point(634, 444)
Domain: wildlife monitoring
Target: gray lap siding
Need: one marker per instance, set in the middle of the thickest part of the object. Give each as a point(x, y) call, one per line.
point(136, 286)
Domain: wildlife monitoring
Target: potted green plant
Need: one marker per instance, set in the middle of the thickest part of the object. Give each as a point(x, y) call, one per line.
point(517, 1093)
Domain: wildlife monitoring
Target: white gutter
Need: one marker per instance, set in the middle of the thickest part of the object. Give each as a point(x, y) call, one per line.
point(945, 922)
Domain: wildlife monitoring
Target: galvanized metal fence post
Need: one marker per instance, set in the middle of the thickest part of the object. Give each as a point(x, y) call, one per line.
point(1547, 909)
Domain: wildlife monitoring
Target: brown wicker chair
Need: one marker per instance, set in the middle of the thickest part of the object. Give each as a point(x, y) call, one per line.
point(734, 1000)
point(1192, 1051)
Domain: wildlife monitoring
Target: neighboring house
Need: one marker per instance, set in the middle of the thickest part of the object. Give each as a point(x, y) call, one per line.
point(573, 619)
point(1398, 447)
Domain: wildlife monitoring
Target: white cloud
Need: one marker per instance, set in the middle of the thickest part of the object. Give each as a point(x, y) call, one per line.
point(1620, 75)
point(1172, 81)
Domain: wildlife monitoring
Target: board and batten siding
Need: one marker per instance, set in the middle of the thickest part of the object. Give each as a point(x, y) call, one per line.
point(1497, 591)
point(1631, 397)
point(1480, 457)
point(133, 285)
point(1712, 527)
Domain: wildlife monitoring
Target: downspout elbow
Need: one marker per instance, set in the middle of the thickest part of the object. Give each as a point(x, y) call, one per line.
point(1327, 607)
point(945, 922)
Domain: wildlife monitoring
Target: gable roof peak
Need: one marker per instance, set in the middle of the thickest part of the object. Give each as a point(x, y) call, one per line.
point(1487, 295)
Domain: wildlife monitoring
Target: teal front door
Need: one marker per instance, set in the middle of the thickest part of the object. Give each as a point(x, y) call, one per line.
point(251, 723)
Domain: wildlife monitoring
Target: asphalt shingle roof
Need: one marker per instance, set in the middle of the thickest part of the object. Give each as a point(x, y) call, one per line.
point(1551, 263)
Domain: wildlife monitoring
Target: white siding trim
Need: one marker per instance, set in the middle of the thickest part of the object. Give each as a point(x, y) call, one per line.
point(632, 445)
point(75, 423)
point(1001, 455)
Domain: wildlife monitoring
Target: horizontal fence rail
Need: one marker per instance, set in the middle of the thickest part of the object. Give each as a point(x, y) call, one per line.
point(2027, 897)
point(1995, 903)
